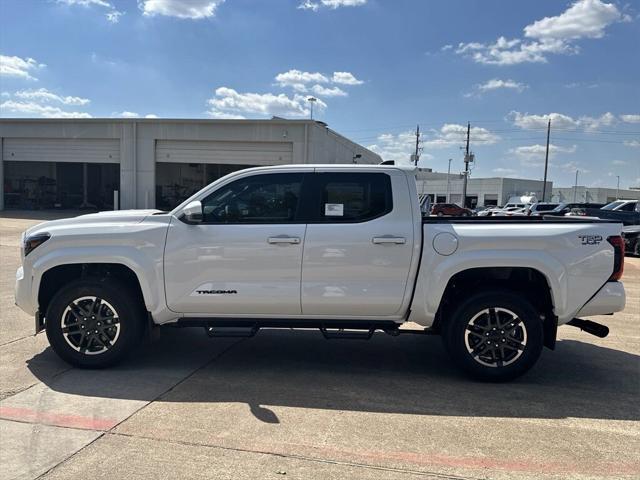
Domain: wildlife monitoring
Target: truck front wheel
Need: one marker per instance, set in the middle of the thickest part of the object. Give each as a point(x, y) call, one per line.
point(94, 323)
point(494, 336)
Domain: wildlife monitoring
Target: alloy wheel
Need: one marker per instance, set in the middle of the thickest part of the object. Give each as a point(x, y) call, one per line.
point(495, 337)
point(90, 325)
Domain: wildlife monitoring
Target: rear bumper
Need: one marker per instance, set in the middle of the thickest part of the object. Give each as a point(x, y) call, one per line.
point(609, 299)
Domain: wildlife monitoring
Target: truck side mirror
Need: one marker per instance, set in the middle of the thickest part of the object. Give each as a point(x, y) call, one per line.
point(193, 212)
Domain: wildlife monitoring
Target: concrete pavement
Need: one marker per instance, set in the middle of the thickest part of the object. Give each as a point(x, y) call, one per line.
point(293, 405)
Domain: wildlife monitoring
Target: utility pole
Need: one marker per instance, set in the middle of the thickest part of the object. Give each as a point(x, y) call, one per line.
point(618, 188)
point(575, 188)
point(448, 181)
point(546, 163)
point(467, 159)
point(416, 155)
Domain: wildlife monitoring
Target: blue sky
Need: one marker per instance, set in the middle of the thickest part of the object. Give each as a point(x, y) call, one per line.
point(377, 68)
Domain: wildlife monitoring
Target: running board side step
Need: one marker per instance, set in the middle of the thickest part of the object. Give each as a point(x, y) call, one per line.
point(588, 326)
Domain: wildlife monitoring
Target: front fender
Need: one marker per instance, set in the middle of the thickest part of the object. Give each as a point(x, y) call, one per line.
point(148, 270)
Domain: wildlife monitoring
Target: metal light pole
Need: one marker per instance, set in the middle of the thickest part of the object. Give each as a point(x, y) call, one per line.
point(618, 188)
point(575, 188)
point(448, 181)
point(312, 100)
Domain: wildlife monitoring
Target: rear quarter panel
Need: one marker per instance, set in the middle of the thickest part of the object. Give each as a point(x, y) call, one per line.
point(574, 270)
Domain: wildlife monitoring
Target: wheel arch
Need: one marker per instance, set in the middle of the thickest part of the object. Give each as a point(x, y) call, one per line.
point(526, 281)
point(56, 277)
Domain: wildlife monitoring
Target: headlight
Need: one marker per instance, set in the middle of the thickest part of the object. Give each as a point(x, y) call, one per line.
point(34, 241)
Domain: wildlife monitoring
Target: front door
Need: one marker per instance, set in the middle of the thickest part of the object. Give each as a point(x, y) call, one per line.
point(359, 244)
point(245, 257)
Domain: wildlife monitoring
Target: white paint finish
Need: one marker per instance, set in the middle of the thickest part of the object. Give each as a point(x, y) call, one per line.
point(573, 271)
point(265, 275)
point(445, 243)
point(61, 150)
point(221, 152)
point(610, 299)
point(346, 273)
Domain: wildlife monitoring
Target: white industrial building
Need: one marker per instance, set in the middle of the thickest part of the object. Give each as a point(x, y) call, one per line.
point(447, 188)
point(80, 163)
point(593, 194)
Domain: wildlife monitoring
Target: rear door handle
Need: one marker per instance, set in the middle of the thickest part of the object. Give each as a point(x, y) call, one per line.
point(284, 239)
point(389, 239)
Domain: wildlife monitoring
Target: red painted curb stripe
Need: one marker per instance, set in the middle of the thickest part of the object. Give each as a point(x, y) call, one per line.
point(57, 419)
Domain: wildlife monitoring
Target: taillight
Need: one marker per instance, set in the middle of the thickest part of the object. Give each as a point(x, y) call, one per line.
point(618, 257)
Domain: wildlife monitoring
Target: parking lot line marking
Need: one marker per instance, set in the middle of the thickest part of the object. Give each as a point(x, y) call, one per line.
point(29, 415)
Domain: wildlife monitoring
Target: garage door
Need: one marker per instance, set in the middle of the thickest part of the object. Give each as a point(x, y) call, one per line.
point(61, 150)
point(237, 153)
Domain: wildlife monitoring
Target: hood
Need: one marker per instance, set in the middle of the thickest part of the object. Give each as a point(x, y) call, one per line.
point(119, 217)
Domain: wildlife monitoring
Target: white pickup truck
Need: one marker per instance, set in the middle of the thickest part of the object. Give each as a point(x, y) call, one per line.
point(342, 248)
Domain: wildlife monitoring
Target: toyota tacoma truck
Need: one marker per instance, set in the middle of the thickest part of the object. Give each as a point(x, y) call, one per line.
point(344, 249)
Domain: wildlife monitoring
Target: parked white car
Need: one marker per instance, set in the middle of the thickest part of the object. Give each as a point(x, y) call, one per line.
point(340, 248)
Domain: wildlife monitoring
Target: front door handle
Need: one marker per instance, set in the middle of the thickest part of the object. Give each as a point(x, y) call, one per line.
point(389, 239)
point(284, 239)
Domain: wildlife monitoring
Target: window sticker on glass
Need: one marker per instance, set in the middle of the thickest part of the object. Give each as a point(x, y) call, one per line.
point(334, 209)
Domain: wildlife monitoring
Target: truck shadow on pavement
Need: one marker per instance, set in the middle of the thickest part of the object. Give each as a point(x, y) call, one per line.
point(407, 374)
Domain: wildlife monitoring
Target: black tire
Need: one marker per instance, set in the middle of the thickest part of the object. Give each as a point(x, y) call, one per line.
point(465, 214)
point(121, 312)
point(440, 214)
point(466, 340)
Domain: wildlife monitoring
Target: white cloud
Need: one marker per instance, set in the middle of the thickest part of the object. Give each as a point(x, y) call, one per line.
point(185, 9)
point(228, 103)
point(451, 135)
point(535, 122)
point(533, 155)
point(584, 19)
point(632, 143)
point(112, 14)
point(309, 5)
point(298, 79)
point(19, 67)
point(550, 35)
point(630, 118)
point(619, 163)
point(561, 121)
point(345, 78)
point(32, 108)
point(314, 6)
point(496, 84)
point(312, 82)
point(44, 95)
point(594, 123)
point(126, 114)
point(395, 147)
point(328, 92)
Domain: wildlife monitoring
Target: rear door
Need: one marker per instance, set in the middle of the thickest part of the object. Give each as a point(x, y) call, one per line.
point(358, 245)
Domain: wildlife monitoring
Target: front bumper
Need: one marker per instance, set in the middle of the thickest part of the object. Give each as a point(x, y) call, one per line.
point(23, 288)
point(610, 298)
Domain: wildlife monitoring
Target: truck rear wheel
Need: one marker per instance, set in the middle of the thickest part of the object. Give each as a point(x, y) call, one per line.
point(494, 336)
point(94, 323)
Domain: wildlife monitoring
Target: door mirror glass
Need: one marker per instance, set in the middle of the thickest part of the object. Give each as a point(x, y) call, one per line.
point(193, 212)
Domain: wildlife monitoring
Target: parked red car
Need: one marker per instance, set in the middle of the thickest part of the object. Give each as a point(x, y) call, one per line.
point(450, 209)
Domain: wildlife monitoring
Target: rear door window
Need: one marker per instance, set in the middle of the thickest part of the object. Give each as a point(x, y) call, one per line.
point(351, 197)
